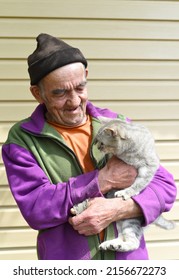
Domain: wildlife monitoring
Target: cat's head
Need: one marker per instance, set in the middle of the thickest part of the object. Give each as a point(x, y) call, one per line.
point(111, 137)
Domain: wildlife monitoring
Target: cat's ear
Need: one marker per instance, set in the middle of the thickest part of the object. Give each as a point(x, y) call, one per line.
point(122, 133)
point(110, 131)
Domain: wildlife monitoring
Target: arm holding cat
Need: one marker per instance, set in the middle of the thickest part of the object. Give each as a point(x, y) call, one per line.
point(157, 197)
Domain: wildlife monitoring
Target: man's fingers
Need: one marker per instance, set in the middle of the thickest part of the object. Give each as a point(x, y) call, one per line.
point(77, 220)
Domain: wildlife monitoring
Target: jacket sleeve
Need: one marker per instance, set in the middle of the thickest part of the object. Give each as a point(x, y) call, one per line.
point(43, 204)
point(158, 196)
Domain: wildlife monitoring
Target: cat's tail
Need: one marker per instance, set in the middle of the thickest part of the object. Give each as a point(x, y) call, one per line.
point(164, 223)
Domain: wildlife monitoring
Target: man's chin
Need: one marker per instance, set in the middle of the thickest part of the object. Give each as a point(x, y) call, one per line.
point(75, 122)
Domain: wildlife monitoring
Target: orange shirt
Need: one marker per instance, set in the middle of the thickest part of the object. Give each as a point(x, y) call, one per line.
point(79, 139)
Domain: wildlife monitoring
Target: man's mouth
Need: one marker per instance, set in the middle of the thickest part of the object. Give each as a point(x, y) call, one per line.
point(74, 109)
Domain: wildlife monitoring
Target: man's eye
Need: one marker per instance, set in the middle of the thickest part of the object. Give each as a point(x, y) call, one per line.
point(59, 92)
point(80, 88)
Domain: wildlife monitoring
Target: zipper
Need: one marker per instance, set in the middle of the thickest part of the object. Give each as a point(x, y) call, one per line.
point(71, 153)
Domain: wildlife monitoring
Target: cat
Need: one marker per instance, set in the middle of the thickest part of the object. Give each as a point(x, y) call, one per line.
point(135, 145)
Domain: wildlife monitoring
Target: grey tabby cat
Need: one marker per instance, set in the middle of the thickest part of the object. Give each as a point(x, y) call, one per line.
point(134, 144)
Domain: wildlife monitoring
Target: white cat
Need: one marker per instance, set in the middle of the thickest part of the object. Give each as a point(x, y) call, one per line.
point(134, 144)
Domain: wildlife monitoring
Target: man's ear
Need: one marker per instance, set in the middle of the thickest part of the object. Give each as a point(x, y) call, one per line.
point(35, 90)
point(86, 72)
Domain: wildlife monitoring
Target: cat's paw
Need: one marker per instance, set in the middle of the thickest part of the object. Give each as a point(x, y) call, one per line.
point(125, 195)
point(109, 245)
point(119, 245)
point(79, 208)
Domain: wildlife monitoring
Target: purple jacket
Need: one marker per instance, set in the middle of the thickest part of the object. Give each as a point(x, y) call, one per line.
point(46, 180)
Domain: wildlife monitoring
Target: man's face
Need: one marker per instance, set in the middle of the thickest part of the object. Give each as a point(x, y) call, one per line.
point(64, 94)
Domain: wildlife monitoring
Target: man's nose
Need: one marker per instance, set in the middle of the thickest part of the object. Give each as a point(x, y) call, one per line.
point(73, 97)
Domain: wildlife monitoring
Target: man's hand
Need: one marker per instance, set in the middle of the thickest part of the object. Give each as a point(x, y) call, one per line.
point(116, 174)
point(101, 212)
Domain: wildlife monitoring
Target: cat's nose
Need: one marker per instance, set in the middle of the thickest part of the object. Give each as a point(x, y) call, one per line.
point(100, 146)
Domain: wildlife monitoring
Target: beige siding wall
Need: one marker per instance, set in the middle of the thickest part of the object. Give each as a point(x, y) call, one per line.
point(133, 53)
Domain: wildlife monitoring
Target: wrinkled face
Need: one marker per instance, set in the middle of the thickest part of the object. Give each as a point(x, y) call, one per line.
point(64, 94)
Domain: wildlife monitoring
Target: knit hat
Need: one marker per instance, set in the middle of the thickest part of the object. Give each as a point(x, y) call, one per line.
point(50, 54)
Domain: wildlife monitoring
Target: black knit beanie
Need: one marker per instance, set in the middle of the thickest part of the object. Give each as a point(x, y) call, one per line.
point(50, 54)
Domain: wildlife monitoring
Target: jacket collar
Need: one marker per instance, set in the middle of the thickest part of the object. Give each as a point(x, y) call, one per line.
point(37, 124)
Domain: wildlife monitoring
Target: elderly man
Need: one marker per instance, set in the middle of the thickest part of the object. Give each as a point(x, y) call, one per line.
point(51, 164)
